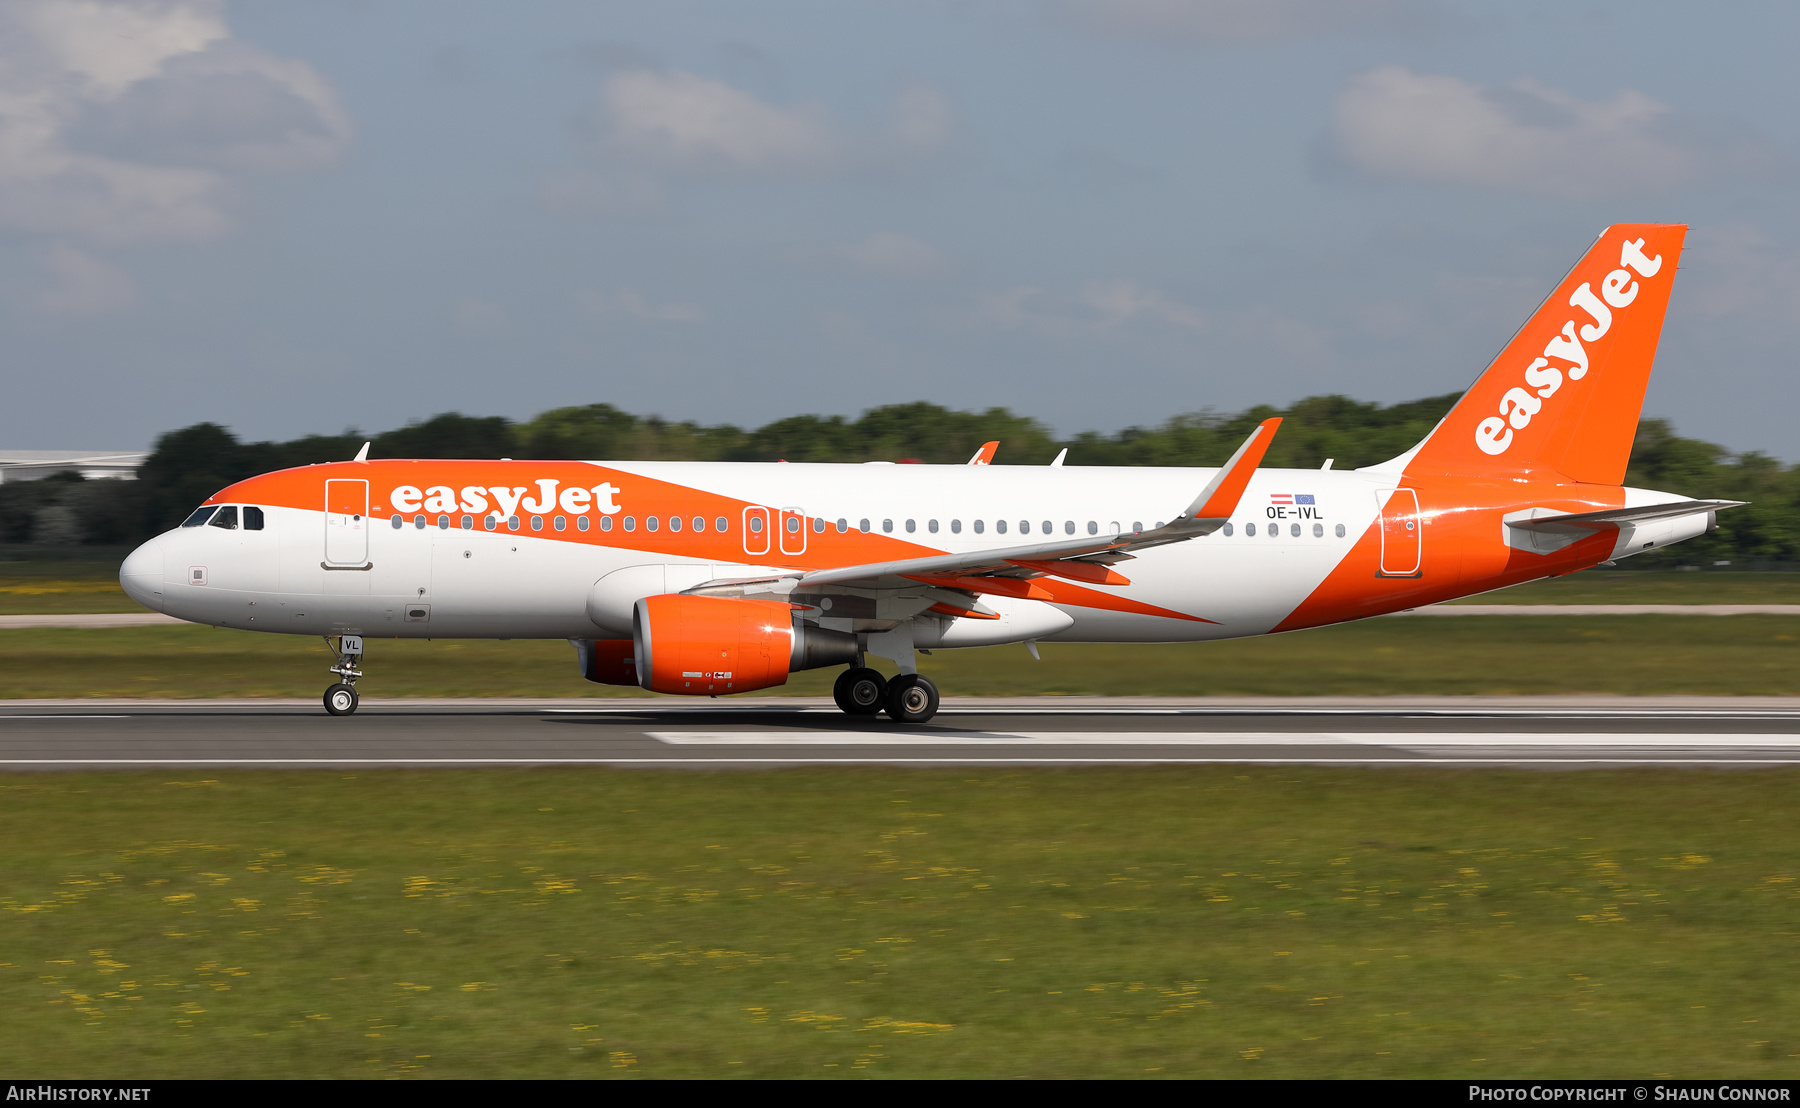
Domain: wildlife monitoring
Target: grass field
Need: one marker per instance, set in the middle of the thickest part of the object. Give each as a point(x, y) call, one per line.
point(1194, 921)
point(1499, 655)
point(61, 586)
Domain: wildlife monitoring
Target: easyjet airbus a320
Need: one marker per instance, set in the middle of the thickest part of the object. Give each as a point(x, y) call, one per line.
point(701, 578)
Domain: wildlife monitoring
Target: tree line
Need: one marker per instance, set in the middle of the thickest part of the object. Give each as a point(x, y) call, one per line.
point(192, 463)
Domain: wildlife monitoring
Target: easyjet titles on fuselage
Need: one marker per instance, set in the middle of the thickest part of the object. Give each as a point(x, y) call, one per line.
point(507, 499)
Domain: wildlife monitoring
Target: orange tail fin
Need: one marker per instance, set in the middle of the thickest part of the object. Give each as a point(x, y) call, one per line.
point(1567, 391)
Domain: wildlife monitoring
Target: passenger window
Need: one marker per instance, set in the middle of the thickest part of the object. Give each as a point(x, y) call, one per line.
point(651, 523)
point(631, 524)
point(490, 521)
point(1340, 530)
point(956, 527)
point(1250, 529)
point(818, 526)
point(674, 523)
point(887, 525)
point(1113, 527)
point(842, 525)
point(1024, 527)
point(1000, 526)
point(512, 523)
point(1068, 527)
point(1093, 527)
point(1228, 530)
point(931, 525)
point(719, 525)
point(1050, 528)
point(398, 523)
point(443, 523)
point(1294, 529)
point(537, 523)
point(980, 526)
point(793, 526)
point(1274, 530)
point(756, 524)
point(699, 523)
point(201, 515)
point(226, 517)
point(863, 526)
point(1318, 530)
point(419, 523)
point(911, 526)
point(1137, 526)
point(253, 518)
point(605, 523)
point(581, 523)
point(468, 523)
point(560, 523)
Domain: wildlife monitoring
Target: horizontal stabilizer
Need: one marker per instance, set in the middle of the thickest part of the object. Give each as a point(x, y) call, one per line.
point(1644, 513)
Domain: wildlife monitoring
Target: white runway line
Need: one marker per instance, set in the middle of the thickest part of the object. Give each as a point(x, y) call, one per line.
point(1406, 740)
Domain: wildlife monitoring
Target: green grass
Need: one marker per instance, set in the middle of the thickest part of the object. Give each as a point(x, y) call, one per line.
point(1498, 655)
point(51, 585)
point(1193, 921)
point(1604, 586)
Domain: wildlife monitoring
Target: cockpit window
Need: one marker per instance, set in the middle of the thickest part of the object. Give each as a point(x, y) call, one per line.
point(226, 517)
point(200, 516)
point(253, 518)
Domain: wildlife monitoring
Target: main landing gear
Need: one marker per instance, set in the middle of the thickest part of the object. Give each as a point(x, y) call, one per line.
point(908, 698)
point(341, 698)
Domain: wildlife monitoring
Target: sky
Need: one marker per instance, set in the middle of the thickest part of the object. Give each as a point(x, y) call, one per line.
point(293, 218)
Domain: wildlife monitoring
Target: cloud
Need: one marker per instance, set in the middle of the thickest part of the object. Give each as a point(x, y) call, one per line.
point(1097, 308)
point(881, 254)
point(629, 304)
point(1524, 137)
point(673, 121)
point(85, 286)
point(1219, 21)
point(133, 120)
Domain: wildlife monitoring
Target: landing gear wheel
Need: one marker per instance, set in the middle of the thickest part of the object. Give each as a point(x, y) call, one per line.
point(341, 700)
point(911, 699)
point(860, 691)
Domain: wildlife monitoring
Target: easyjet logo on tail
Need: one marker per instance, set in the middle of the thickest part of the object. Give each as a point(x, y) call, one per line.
point(1545, 374)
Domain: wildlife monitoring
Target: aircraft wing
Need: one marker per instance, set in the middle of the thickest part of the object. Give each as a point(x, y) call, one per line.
point(1079, 559)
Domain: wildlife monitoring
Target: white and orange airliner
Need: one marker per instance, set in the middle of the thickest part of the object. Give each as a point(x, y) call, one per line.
point(700, 578)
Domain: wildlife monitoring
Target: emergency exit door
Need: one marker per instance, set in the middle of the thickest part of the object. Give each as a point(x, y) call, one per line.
point(346, 522)
point(1402, 538)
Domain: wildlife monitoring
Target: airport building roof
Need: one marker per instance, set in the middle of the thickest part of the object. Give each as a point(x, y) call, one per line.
point(30, 465)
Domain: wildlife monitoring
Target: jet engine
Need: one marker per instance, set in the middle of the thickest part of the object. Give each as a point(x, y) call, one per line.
point(708, 645)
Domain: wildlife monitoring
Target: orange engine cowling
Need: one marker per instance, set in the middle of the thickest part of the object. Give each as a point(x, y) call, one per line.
point(607, 661)
point(708, 645)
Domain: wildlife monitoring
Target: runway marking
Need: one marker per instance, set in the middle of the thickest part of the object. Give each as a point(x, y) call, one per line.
point(1401, 739)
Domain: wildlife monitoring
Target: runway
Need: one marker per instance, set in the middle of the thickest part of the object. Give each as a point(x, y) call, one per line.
point(1561, 733)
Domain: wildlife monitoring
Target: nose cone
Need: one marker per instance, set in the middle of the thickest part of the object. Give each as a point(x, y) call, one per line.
point(142, 575)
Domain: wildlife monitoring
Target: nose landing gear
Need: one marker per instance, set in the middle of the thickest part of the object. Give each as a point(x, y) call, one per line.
point(341, 698)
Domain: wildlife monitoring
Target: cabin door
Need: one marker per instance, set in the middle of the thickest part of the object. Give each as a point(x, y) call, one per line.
point(1402, 552)
point(346, 522)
